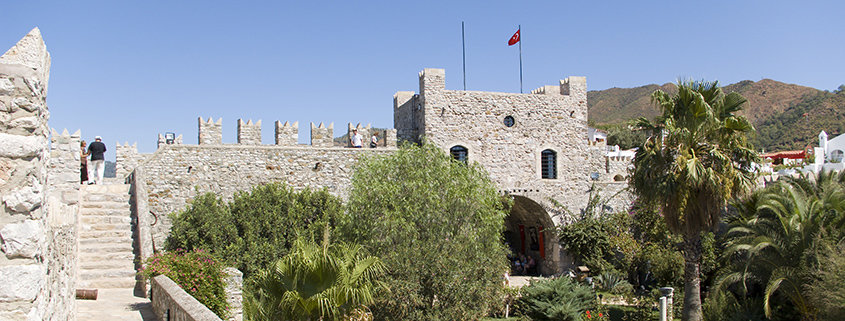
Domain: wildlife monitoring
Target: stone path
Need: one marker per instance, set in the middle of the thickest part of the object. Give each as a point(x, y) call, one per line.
point(520, 281)
point(115, 304)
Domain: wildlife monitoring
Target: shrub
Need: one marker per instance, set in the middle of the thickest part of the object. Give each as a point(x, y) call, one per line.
point(437, 224)
point(556, 299)
point(613, 283)
point(317, 282)
point(197, 272)
point(256, 227)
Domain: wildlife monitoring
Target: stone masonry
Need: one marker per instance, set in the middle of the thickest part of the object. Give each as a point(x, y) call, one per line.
point(249, 133)
point(287, 134)
point(39, 199)
point(210, 133)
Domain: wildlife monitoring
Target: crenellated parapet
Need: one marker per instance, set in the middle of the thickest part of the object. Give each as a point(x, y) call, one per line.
point(365, 133)
point(164, 140)
point(210, 132)
point(249, 133)
point(287, 134)
point(322, 136)
point(573, 86)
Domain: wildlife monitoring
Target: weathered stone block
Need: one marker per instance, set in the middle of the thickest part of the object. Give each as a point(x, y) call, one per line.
point(24, 199)
point(23, 239)
point(20, 282)
point(30, 122)
point(6, 86)
point(16, 146)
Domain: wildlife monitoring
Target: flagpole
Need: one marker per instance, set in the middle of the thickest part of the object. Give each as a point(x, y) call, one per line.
point(520, 58)
point(464, 48)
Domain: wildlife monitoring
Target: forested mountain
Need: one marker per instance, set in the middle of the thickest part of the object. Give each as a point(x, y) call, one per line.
point(786, 116)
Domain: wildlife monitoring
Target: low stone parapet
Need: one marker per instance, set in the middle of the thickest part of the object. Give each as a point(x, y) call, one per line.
point(172, 303)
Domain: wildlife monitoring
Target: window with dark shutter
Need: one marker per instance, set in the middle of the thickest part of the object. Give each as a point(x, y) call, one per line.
point(548, 164)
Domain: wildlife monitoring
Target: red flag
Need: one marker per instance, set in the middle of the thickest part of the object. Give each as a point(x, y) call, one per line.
point(514, 39)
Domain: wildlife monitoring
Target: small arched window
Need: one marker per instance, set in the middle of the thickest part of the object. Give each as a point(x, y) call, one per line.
point(548, 164)
point(459, 153)
point(837, 156)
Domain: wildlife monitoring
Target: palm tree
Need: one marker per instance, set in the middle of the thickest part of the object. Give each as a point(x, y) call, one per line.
point(774, 235)
point(317, 282)
point(695, 158)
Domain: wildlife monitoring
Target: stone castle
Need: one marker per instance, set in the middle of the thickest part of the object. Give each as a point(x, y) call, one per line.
point(535, 147)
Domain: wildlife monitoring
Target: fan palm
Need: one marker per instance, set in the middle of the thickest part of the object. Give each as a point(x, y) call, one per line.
point(695, 158)
point(317, 282)
point(774, 234)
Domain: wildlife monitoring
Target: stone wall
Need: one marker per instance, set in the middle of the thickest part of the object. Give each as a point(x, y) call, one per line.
point(322, 136)
point(127, 158)
point(210, 132)
point(172, 303)
point(287, 134)
point(175, 174)
point(36, 226)
point(249, 133)
point(234, 293)
point(552, 117)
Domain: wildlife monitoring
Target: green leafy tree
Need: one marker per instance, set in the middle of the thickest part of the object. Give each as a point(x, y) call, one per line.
point(437, 224)
point(257, 227)
point(558, 299)
point(317, 282)
point(695, 158)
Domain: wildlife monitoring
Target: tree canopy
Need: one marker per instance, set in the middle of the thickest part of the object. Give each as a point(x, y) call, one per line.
point(437, 225)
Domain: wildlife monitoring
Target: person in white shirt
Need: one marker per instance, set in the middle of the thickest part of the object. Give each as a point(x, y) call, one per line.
point(356, 140)
point(374, 140)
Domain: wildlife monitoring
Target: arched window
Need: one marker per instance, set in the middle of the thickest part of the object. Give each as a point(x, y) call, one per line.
point(459, 153)
point(837, 156)
point(548, 164)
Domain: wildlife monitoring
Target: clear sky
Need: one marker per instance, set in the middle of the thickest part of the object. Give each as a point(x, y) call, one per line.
point(128, 70)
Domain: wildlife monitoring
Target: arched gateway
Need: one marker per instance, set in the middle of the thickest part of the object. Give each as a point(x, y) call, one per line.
point(529, 230)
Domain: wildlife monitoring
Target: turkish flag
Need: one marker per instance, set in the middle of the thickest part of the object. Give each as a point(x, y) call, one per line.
point(514, 39)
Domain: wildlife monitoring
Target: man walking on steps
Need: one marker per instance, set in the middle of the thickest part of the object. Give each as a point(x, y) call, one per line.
point(98, 166)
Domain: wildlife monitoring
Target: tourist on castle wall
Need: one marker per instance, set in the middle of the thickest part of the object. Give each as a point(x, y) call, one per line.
point(83, 162)
point(97, 149)
point(374, 140)
point(356, 140)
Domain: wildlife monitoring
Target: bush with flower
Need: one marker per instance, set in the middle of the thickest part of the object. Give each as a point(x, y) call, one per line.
point(197, 272)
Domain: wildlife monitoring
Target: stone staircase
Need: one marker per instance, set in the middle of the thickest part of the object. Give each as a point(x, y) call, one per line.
point(106, 257)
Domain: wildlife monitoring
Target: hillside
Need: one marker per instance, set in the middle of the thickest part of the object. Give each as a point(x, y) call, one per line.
point(787, 116)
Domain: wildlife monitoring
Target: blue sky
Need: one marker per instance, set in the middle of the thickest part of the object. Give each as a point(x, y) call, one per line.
point(128, 70)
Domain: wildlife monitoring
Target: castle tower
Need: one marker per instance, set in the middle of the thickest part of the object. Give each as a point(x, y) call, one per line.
point(287, 134)
point(249, 133)
point(210, 133)
point(321, 136)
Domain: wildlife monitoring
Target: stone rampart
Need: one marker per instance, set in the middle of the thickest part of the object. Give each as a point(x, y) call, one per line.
point(174, 174)
point(249, 133)
point(287, 134)
point(170, 302)
point(322, 136)
point(36, 223)
point(210, 132)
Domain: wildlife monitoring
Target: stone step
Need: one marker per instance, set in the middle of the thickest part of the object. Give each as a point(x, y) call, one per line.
point(108, 205)
point(83, 241)
point(122, 233)
point(122, 265)
point(106, 248)
point(106, 189)
point(107, 273)
point(105, 227)
point(106, 283)
point(96, 198)
point(98, 219)
point(106, 257)
point(101, 211)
